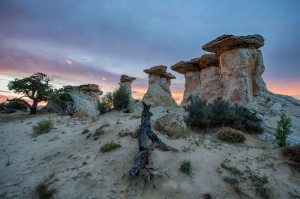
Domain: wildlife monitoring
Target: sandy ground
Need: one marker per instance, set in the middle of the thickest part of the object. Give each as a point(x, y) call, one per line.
point(78, 170)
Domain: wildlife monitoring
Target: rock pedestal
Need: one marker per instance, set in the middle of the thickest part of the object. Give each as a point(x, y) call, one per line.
point(238, 63)
point(158, 93)
point(191, 71)
point(126, 81)
point(86, 98)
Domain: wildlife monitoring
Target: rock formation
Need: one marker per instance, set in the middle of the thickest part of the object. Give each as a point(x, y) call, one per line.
point(238, 63)
point(86, 98)
point(191, 71)
point(126, 81)
point(226, 43)
point(158, 93)
point(234, 73)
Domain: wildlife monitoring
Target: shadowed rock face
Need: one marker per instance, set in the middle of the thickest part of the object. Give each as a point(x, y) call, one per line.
point(158, 93)
point(229, 42)
point(85, 98)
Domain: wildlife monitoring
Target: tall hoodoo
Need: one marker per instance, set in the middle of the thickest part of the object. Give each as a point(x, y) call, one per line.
point(191, 71)
point(126, 81)
point(158, 93)
point(240, 64)
point(85, 98)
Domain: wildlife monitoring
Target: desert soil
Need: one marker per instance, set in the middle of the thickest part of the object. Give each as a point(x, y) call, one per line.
point(74, 167)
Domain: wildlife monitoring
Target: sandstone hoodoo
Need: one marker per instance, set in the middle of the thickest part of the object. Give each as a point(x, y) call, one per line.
point(85, 98)
point(238, 63)
point(158, 93)
point(126, 81)
point(191, 71)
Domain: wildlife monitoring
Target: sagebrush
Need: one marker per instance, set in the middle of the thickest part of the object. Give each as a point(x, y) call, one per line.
point(220, 113)
point(292, 153)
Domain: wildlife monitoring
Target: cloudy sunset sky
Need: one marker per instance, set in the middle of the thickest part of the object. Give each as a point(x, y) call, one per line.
point(95, 41)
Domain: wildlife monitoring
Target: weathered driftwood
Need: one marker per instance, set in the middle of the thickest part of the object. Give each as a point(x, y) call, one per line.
point(141, 159)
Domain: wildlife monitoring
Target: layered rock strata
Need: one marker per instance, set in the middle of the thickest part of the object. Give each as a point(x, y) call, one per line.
point(86, 98)
point(158, 93)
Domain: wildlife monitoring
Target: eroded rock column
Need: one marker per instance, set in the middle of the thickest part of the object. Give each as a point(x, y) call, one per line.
point(191, 71)
point(126, 81)
point(158, 93)
point(238, 59)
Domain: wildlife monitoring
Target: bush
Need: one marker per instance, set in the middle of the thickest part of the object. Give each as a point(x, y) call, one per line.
point(62, 101)
point(109, 147)
point(42, 127)
point(16, 104)
point(186, 166)
point(121, 98)
point(106, 103)
point(220, 113)
point(283, 129)
point(230, 135)
point(293, 154)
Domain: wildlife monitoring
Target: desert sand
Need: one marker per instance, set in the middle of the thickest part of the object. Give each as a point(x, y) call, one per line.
point(76, 169)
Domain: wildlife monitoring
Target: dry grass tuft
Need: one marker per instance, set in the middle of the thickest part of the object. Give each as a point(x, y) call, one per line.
point(230, 135)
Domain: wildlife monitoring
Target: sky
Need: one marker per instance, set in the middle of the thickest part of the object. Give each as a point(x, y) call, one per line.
point(95, 41)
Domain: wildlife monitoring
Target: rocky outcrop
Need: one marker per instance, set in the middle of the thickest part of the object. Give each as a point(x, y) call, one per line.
point(158, 93)
point(126, 81)
point(191, 71)
point(226, 43)
point(85, 98)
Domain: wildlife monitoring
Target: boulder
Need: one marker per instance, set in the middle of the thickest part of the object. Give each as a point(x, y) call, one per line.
point(170, 124)
point(229, 42)
point(158, 93)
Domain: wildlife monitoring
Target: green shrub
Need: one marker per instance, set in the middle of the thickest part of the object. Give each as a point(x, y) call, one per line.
point(106, 103)
point(186, 166)
point(230, 135)
point(16, 104)
point(42, 191)
point(284, 126)
point(220, 113)
point(109, 147)
point(292, 153)
point(42, 127)
point(184, 132)
point(121, 98)
point(101, 108)
point(85, 131)
point(62, 102)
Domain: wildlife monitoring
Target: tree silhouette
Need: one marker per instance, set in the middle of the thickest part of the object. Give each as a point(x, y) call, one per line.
point(36, 87)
